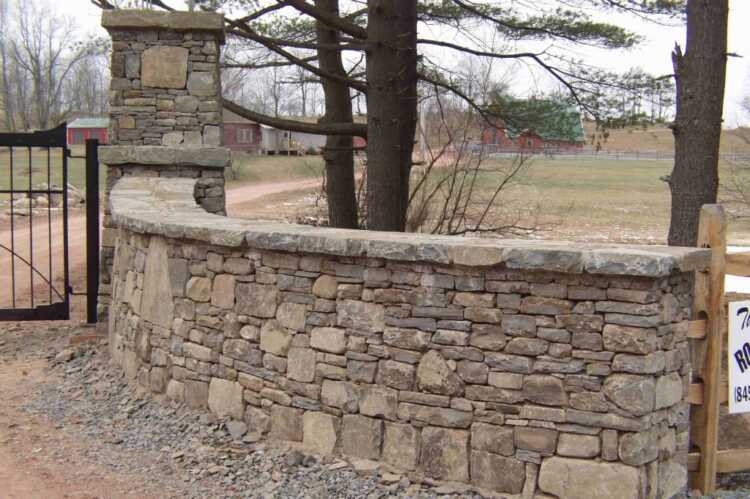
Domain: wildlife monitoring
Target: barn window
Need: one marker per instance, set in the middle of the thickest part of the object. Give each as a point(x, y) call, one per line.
point(244, 135)
point(78, 136)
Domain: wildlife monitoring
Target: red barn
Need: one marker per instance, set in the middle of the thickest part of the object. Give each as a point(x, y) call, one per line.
point(82, 129)
point(241, 134)
point(556, 128)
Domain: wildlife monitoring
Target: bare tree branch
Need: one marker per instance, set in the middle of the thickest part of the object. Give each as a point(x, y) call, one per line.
point(356, 129)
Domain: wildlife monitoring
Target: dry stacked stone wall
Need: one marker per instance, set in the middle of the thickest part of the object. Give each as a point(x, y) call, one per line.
point(516, 381)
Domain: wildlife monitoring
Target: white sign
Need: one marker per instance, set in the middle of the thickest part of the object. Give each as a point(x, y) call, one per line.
point(739, 357)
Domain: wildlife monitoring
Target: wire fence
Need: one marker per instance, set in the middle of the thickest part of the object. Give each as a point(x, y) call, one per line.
point(590, 154)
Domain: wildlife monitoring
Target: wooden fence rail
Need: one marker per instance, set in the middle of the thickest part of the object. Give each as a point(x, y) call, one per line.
point(706, 331)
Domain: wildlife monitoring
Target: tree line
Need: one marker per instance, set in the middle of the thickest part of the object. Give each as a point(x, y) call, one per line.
point(48, 71)
point(393, 64)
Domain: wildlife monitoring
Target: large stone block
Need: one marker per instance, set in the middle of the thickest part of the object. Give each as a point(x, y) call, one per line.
point(492, 438)
point(225, 398)
point(164, 67)
point(638, 448)
point(574, 445)
point(301, 364)
point(326, 287)
point(487, 337)
point(629, 339)
point(540, 440)
point(497, 473)
point(157, 305)
point(545, 390)
point(673, 478)
point(328, 339)
point(569, 478)
point(257, 299)
point(186, 104)
point(320, 432)
point(222, 295)
point(196, 394)
point(401, 445)
point(257, 420)
point(445, 454)
point(668, 390)
point(286, 423)
point(341, 395)
point(635, 394)
point(202, 84)
point(292, 316)
point(199, 289)
point(396, 375)
point(378, 401)
point(361, 316)
point(274, 338)
point(412, 339)
point(361, 437)
point(438, 416)
point(434, 375)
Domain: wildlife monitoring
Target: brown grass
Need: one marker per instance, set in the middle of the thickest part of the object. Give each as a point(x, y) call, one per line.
point(658, 139)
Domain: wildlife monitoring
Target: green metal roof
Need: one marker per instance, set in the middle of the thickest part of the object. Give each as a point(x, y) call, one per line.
point(89, 123)
point(547, 118)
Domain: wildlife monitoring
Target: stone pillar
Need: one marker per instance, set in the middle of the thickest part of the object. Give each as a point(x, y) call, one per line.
point(165, 109)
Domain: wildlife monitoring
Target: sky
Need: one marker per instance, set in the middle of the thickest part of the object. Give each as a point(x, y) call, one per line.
point(653, 55)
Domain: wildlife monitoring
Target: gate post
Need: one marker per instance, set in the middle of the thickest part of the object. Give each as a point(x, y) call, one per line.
point(165, 110)
point(92, 229)
point(706, 353)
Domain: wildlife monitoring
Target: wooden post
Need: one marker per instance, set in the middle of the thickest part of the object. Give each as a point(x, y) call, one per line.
point(708, 304)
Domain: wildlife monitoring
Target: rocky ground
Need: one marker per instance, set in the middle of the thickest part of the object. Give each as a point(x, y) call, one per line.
point(161, 450)
point(70, 417)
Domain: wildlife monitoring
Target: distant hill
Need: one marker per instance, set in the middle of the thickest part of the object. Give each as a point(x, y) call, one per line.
point(660, 139)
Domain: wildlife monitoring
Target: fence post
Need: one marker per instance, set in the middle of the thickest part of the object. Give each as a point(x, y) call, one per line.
point(708, 304)
point(92, 229)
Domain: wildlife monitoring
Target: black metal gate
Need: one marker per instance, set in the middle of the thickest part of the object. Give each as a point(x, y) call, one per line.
point(34, 218)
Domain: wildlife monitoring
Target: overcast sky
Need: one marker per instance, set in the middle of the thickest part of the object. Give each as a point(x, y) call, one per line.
point(653, 55)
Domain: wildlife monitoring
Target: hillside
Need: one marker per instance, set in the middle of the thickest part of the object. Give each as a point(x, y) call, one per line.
point(660, 139)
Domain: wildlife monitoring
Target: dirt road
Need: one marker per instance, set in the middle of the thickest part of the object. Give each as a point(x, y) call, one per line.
point(242, 201)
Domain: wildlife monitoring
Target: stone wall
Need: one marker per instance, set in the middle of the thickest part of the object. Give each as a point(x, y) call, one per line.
point(165, 109)
point(531, 368)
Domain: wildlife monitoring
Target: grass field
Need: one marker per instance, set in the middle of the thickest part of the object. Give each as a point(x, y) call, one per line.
point(253, 168)
point(660, 138)
point(38, 174)
point(577, 199)
point(592, 200)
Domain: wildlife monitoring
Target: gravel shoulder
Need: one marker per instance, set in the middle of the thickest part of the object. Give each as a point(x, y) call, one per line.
point(71, 427)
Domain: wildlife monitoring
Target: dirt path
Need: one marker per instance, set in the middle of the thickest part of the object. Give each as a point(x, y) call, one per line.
point(242, 201)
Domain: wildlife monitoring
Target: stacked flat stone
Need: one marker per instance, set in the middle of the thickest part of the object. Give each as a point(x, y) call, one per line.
point(165, 108)
point(542, 380)
point(165, 87)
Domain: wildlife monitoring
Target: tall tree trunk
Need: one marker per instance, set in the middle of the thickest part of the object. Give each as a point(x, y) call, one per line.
point(338, 153)
point(700, 76)
point(391, 110)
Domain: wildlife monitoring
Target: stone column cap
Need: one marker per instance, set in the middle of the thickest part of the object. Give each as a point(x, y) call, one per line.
point(159, 20)
point(216, 157)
